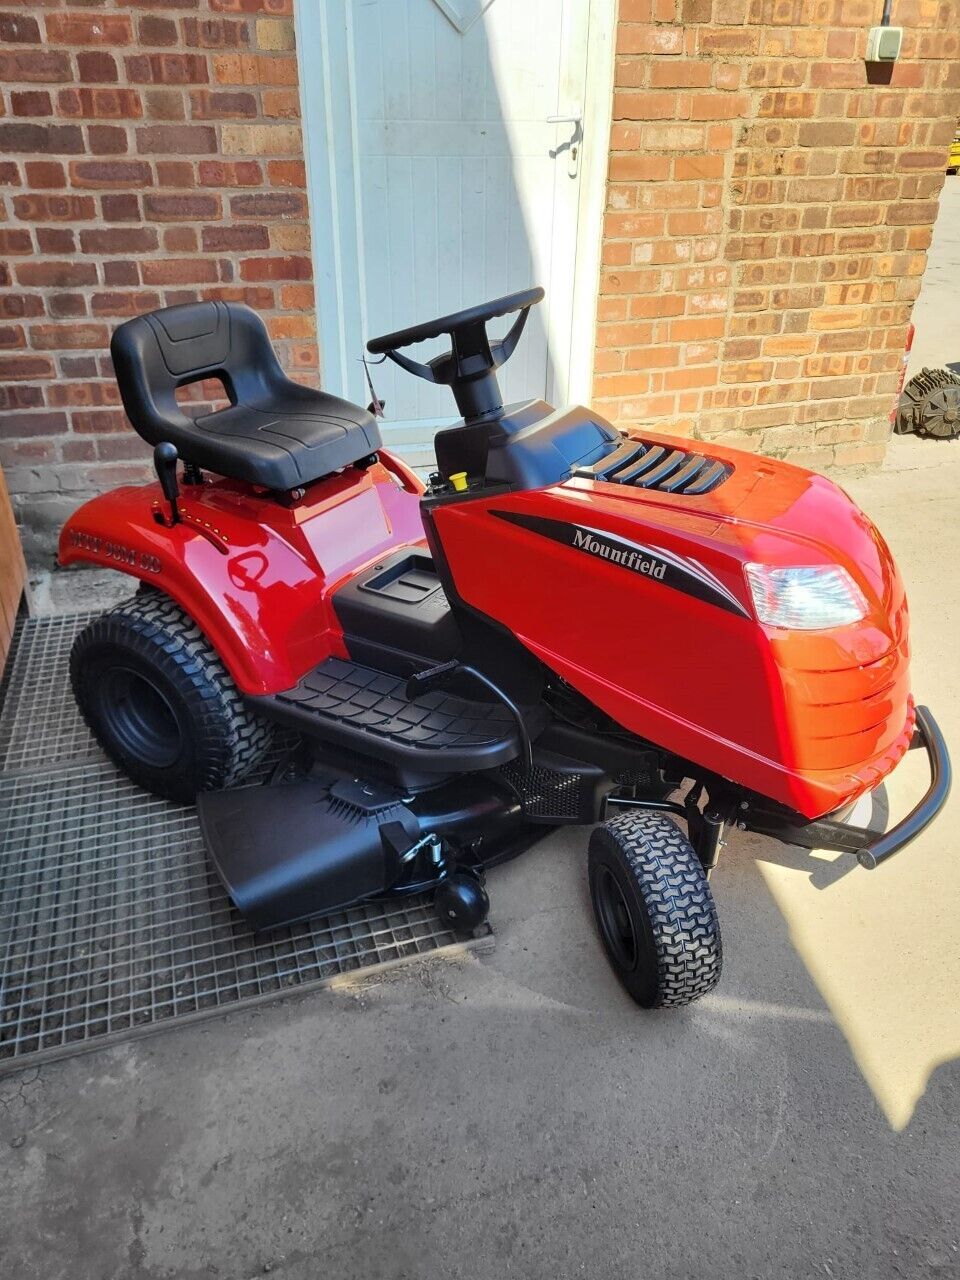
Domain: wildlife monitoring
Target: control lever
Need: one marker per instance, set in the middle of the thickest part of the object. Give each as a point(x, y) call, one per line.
point(165, 459)
point(432, 678)
point(437, 677)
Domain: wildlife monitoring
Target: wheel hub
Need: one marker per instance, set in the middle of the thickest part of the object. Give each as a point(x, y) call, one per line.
point(140, 717)
point(615, 919)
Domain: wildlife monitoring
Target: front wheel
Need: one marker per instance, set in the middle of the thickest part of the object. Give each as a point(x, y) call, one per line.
point(161, 703)
point(655, 913)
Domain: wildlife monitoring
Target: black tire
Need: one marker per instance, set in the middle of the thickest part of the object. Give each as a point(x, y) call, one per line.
point(160, 702)
point(655, 913)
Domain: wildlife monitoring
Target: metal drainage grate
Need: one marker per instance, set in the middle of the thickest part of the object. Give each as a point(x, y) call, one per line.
point(40, 725)
point(112, 923)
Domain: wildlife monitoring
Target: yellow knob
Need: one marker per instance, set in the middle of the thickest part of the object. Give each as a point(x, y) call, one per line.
point(459, 481)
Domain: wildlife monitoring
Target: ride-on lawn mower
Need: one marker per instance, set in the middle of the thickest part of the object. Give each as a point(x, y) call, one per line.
point(567, 625)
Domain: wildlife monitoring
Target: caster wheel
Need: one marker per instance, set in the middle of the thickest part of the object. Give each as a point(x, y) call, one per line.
point(462, 902)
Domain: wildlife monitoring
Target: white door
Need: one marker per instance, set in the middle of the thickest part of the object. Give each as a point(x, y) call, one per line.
point(437, 180)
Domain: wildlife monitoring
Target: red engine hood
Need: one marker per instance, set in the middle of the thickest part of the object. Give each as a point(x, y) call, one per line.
point(808, 718)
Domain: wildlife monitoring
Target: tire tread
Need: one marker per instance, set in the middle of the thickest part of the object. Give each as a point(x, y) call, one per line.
point(231, 739)
point(679, 904)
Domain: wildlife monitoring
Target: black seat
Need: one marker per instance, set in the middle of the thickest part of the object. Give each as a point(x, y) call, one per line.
point(273, 433)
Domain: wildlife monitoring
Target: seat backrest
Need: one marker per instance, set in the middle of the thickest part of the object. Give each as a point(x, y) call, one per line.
point(156, 353)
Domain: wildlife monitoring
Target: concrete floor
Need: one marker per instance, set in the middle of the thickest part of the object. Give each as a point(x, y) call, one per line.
point(936, 314)
point(514, 1114)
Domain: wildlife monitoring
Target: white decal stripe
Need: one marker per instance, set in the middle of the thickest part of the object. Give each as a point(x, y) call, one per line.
point(704, 575)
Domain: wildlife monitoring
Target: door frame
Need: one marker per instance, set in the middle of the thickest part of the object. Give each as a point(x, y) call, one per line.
point(331, 191)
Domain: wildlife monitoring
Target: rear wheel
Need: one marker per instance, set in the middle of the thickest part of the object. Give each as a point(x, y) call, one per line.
point(655, 913)
point(161, 703)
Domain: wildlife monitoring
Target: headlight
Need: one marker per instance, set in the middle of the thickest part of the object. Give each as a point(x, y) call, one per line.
point(805, 598)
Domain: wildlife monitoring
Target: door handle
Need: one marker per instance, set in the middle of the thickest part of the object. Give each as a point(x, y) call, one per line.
point(572, 144)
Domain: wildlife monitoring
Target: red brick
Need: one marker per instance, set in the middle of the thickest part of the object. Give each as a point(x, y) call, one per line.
point(15, 240)
point(48, 139)
point(281, 104)
point(110, 173)
point(713, 106)
point(58, 337)
point(45, 174)
point(100, 104)
point(13, 396)
point(296, 297)
point(87, 394)
point(106, 140)
point(56, 208)
point(31, 102)
point(26, 366)
point(120, 208)
point(227, 173)
point(215, 33)
point(17, 306)
point(165, 104)
point(181, 208)
point(96, 67)
point(56, 240)
point(78, 366)
point(119, 274)
point(638, 38)
point(156, 30)
point(288, 268)
point(18, 28)
point(66, 305)
point(675, 74)
point(259, 297)
point(207, 104)
point(234, 239)
point(20, 425)
point(180, 239)
point(644, 106)
point(12, 337)
point(175, 173)
point(41, 66)
point(269, 205)
point(62, 275)
point(167, 68)
point(287, 173)
point(118, 240)
point(178, 271)
point(172, 139)
point(99, 421)
point(81, 28)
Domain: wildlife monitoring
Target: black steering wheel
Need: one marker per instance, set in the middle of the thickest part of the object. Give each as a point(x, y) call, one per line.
point(470, 316)
point(468, 368)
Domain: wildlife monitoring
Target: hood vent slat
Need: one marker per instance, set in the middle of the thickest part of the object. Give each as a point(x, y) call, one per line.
point(645, 465)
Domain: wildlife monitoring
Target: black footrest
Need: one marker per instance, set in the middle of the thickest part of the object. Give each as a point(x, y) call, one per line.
point(368, 712)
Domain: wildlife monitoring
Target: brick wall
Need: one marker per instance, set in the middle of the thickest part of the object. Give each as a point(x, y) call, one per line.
point(770, 200)
point(769, 209)
point(150, 154)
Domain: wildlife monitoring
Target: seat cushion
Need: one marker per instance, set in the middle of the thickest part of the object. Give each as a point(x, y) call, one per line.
point(275, 432)
point(281, 445)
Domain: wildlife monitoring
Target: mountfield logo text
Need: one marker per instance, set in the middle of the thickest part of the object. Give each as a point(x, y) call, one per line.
point(584, 540)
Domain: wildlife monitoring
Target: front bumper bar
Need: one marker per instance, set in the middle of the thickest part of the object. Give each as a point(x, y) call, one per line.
point(928, 736)
point(870, 847)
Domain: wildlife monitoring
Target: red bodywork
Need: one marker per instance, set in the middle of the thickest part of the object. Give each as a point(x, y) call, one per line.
point(254, 575)
point(810, 719)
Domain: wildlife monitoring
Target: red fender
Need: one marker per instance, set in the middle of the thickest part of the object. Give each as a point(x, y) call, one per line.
point(255, 575)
